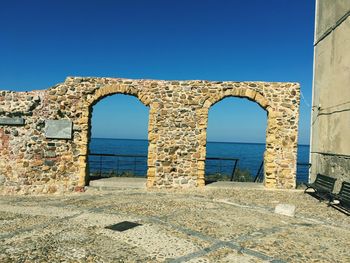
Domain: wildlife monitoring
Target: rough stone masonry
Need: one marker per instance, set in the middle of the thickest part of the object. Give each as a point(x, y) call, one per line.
point(44, 134)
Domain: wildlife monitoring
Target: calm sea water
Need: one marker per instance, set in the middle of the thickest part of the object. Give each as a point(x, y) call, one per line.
point(250, 156)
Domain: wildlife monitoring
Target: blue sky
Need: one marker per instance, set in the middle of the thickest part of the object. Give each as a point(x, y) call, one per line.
point(42, 42)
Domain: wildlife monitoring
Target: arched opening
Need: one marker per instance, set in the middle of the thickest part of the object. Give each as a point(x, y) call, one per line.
point(117, 138)
point(236, 141)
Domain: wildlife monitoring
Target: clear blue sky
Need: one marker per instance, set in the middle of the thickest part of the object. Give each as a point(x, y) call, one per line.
point(42, 42)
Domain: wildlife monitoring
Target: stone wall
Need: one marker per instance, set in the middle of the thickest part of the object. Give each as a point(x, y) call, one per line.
point(32, 163)
point(330, 126)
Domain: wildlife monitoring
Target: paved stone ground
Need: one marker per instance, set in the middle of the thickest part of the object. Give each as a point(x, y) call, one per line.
point(210, 225)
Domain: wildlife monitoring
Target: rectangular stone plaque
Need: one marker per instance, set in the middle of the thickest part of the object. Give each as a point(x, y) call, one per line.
point(58, 129)
point(11, 121)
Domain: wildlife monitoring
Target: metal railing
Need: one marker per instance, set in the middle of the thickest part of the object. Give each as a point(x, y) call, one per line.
point(107, 165)
point(224, 167)
point(259, 177)
point(216, 168)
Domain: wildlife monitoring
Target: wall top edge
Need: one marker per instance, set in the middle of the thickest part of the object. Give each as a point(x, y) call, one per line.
point(75, 81)
point(81, 79)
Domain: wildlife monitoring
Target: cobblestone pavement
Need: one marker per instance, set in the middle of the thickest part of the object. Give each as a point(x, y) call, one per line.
point(210, 225)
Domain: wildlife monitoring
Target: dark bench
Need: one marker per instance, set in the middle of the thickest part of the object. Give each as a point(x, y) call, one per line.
point(323, 186)
point(343, 197)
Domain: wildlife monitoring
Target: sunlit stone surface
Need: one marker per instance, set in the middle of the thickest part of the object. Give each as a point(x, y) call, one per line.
point(32, 163)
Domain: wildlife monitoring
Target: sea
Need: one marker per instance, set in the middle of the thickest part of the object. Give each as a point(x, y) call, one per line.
point(129, 156)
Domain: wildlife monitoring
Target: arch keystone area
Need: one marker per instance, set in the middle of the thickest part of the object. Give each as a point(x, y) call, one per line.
point(34, 161)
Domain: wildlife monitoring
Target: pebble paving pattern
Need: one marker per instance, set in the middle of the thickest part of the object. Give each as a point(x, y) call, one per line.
point(210, 225)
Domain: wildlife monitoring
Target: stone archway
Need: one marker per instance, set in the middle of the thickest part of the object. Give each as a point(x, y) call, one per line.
point(97, 96)
point(34, 161)
point(281, 141)
point(249, 95)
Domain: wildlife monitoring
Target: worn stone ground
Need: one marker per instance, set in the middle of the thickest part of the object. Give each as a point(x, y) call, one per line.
point(210, 225)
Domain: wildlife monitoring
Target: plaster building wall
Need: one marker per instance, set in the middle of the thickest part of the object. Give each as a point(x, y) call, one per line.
point(330, 127)
point(38, 157)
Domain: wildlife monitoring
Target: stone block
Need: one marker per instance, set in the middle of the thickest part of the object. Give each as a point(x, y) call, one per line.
point(50, 154)
point(49, 162)
point(285, 209)
point(201, 165)
point(12, 121)
point(250, 94)
point(151, 172)
point(77, 127)
point(58, 129)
